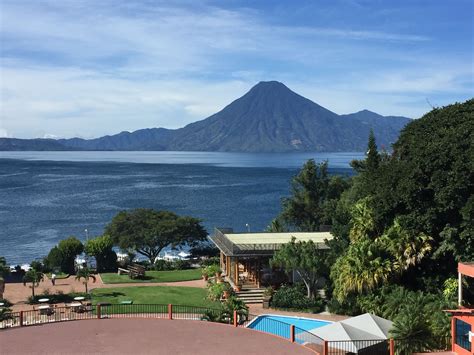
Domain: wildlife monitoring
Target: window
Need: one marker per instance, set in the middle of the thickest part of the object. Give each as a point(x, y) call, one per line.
point(462, 334)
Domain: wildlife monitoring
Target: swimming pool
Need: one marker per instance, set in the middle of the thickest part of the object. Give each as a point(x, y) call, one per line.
point(280, 325)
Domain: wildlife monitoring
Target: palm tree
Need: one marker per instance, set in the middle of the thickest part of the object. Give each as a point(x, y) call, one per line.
point(34, 277)
point(86, 274)
point(407, 249)
point(362, 220)
point(363, 268)
point(411, 331)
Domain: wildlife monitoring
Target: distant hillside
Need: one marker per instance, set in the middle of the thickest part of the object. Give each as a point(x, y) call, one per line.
point(31, 144)
point(269, 118)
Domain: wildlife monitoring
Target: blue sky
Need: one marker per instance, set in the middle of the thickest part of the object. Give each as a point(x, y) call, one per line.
point(89, 68)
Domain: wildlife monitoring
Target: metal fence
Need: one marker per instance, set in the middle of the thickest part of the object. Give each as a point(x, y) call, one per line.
point(366, 347)
point(237, 319)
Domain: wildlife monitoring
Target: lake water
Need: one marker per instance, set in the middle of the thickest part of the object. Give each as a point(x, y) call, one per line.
point(47, 196)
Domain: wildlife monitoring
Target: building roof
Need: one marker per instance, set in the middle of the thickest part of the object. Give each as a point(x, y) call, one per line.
point(277, 238)
point(263, 243)
point(466, 268)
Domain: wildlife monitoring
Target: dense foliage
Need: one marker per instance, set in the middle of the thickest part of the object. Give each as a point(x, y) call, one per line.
point(400, 225)
point(294, 297)
point(147, 231)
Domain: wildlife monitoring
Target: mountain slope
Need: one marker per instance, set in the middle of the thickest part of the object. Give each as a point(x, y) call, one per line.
point(269, 118)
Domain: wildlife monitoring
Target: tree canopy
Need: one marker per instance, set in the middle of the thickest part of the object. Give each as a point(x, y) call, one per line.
point(307, 259)
point(148, 231)
point(312, 190)
point(64, 254)
point(101, 248)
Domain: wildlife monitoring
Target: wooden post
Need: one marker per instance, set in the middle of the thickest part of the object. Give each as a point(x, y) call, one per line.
point(21, 318)
point(325, 348)
point(98, 312)
point(292, 333)
point(236, 280)
point(392, 346)
point(170, 311)
point(235, 318)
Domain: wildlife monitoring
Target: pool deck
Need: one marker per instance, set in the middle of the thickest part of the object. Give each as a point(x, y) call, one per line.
point(142, 336)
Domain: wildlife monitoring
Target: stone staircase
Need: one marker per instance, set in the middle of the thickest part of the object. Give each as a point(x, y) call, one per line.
point(250, 294)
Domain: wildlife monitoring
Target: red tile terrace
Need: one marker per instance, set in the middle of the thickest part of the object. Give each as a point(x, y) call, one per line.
point(158, 329)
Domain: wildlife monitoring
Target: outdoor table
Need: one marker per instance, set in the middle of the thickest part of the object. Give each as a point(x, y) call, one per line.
point(76, 306)
point(43, 300)
point(44, 309)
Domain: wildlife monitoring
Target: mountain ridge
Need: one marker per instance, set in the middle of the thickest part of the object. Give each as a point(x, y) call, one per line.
point(268, 118)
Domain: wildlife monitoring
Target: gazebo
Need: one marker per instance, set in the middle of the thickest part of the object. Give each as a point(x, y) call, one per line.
point(244, 256)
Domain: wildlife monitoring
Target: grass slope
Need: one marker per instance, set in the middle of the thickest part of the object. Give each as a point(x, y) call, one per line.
point(191, 296)
point(154, 276)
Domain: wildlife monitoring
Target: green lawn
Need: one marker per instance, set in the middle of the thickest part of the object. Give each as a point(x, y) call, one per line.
point(191, 296)
point(154, 276)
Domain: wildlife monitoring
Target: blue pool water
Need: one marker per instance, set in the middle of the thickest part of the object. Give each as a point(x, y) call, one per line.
point(280, 325)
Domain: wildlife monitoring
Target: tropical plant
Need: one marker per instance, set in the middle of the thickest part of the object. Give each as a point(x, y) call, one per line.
point(411, 331)
point(307, 259)
point(85, 274)
point(4, 271)
point(235, 304)
point(33, 277)
point(148, 231)
point(363, 268)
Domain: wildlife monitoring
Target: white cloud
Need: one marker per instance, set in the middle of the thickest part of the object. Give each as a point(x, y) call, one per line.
point(90, 68)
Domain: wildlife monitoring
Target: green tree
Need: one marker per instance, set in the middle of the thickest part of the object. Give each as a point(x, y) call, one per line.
point(4, 271)
point(70, 248)
point(307, 259)
point(311, 192)
point(85, 274)
point(64, 254)
point(34, 277)
point(148, 231)
point(101, 248)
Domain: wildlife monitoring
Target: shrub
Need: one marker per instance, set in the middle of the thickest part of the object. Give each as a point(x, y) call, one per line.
point(162, 265)
point(181, 264)
point(215, 291)
point(209, 261)
point(294, 297)
point(213, 269)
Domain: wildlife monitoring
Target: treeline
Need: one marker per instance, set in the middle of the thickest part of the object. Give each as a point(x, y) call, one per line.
point(400, 225)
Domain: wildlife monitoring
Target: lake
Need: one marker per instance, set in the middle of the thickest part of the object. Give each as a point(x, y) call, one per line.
point(47, 196)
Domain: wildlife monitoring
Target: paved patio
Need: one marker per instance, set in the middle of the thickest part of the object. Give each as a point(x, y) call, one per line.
point(142, 336)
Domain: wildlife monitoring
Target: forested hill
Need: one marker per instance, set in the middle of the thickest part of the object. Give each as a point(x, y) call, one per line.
point(269, 118)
